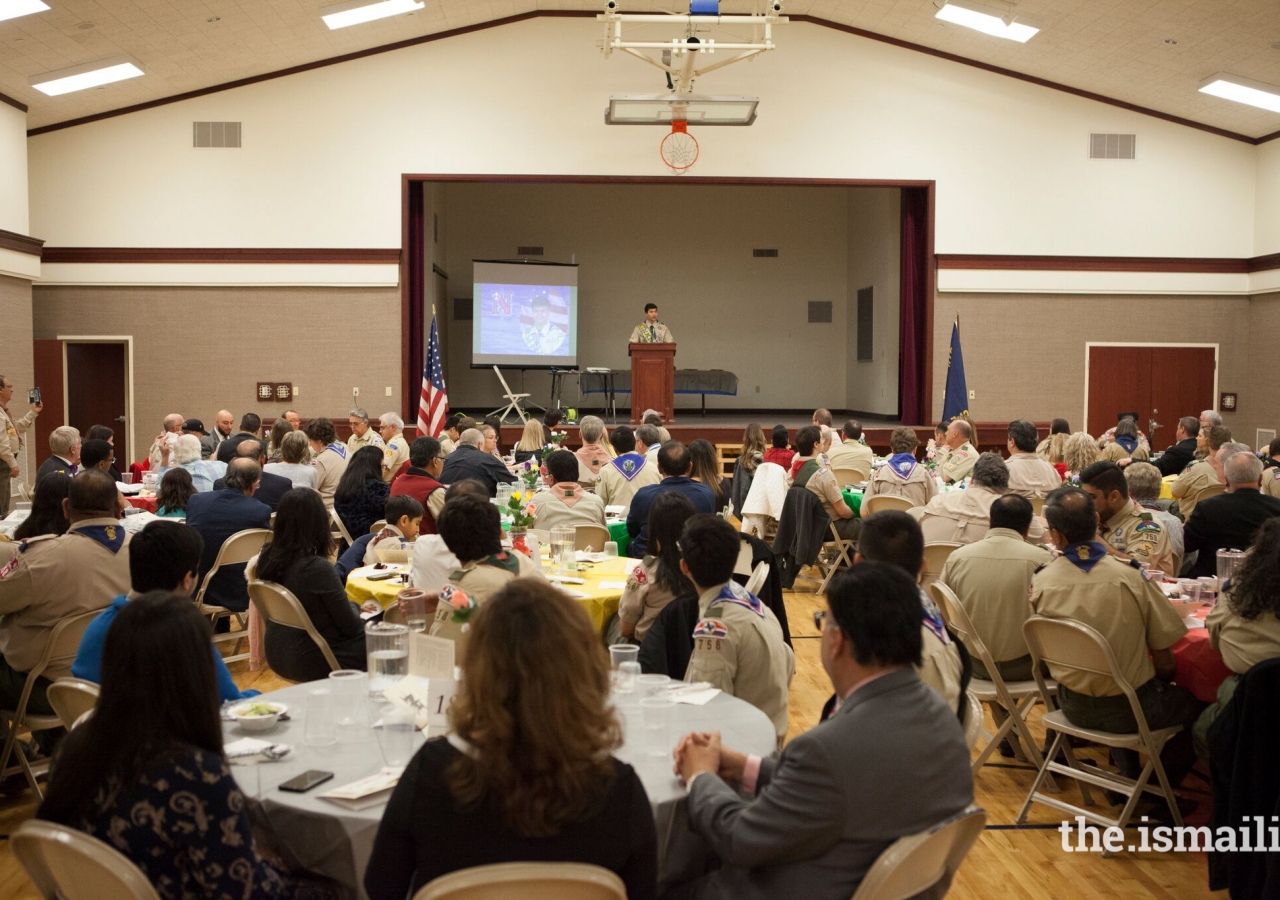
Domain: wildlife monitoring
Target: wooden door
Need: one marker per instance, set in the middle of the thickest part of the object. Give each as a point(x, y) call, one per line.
point(1160, 384)
point(96, 393)
point(1119, 381)
point(48, 369)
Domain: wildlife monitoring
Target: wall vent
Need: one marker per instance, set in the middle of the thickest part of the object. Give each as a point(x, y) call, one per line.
point(462, 309)
point(866, 306)
point(215, 134)
point(528, 251)
point(768, 253)
point(1265, 437)
point(819, 312)
point(1113, 146)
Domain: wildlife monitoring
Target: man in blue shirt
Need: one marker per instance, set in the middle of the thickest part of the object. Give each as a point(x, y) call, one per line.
point(164, 556)
point(673, 464)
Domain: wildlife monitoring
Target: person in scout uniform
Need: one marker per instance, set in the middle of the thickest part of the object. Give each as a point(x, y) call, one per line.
point(1128, 531)
point(362, 434)
point(961, 454)
point(1202, 479)
point(328, 455)
point(563, 501)
point(404, 516)
point(471, 528)
point(542, 336)
point(737, 643)
point(11, 441)
point(651, 331)
point(902, 475)
point(626, 473)
point(391, 428)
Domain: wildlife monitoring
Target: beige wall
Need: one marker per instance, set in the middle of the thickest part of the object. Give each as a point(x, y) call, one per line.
point(875, 252)
point(16, 362)
point(198, 350)
point(1259, 398)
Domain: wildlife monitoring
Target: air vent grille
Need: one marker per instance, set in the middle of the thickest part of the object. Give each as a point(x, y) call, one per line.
point(215, 134)
point(1113, 146)
point(866, 313)
point(528, 251)
point(819, 312)
point(765, 253)
point(462, 309)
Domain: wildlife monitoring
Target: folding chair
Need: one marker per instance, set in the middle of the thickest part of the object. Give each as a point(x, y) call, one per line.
point(60, 649)
point(973, 721)
point(758, 578)
point(842, 547)
point(71, 698)
point(591, 538)
point(1037, 505)
point(338, 529)
point(237, 549)
point(65, 864)
point(275, 603)
point(515, 404)
point(935, 558)
point(913, 864)
point(1015, 697)
point(526, 881)
point(1075, 646)
point(846, 476)
point(376, 527)
point(743, 564)
point(878, 502)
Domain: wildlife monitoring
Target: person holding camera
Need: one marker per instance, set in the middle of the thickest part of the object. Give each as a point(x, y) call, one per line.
point(11, 441)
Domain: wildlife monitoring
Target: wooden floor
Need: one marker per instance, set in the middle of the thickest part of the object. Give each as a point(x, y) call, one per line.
point(1007, 862)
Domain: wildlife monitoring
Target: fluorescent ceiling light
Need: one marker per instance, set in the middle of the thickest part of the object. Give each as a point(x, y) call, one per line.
point(357, 12)
point(987, 20)
point(11, 9)
point(1242, 90)
point(93, 74)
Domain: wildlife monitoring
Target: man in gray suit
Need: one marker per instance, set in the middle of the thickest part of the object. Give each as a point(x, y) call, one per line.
point(891, 761)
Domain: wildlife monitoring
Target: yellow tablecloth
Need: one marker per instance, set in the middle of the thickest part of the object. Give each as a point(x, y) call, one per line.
point(600, 602)
point(1165, 483)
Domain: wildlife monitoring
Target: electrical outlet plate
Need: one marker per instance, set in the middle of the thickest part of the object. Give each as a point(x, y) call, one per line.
point(355, 392)
point(388, 390)
point(973, 395)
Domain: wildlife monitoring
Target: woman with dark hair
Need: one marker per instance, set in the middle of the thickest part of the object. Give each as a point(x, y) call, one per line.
point(298, 559)
point(176, 489)
point(46, 515)
point(778, 452)
point(656, 580)
point(145, 773)
point(704, 466)
point(528, 772)
point(361, 494)
point(550, 420)
point(105, 433)
point(744, 467)
point(279, 429)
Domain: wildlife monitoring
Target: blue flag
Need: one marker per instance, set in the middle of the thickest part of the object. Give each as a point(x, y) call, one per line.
point(955, 400)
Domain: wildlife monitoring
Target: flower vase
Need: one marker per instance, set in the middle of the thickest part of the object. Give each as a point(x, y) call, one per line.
point(518, 540)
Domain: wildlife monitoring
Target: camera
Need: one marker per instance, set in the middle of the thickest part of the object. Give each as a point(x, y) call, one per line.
point(776, 6)
point(610, 5)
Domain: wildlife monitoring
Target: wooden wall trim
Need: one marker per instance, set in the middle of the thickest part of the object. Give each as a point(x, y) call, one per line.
point(255, 255)
point(1221, 265)
point(20, 243)
point(16, 104)
point(1264, 263)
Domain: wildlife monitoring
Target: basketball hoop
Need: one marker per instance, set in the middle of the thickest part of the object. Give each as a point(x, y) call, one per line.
point(679, 150)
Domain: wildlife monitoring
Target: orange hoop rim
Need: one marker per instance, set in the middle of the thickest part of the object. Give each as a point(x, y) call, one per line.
point(679, 126)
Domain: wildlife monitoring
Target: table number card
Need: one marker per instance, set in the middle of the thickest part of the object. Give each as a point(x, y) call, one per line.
point(427, 698)
point(431, 657)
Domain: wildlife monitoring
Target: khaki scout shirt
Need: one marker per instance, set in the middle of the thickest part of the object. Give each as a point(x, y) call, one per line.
point(446, 444)
point(1136, 532)
point(959, 462)
point(614, 488)
point(823, 484)
point(554, 511)
point(11, 431)
point(394, 456)
point(992, 581)
point(53, 578)
point(1242, 644)
point(851, 455)
point(740, 650)
point(643, 598)
point(641, 335)
point(964, 516)
point(480, 579)
point(371, 439)
point(1114, 599)
point(1197, 482)
point(918, 487)
point(1271, 482)
point(330, 463)
point(1031, 476)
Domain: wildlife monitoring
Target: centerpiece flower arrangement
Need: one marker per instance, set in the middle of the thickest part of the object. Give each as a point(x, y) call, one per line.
point(522, 511)
point(529, 474)
point(558, 437)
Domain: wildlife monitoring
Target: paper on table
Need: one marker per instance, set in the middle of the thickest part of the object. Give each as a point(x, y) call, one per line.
point(365, 792)
point(1193, 623)
point(366, 571)
point(613, 585)
point(585, 556)
point(128, 488)
point(431, 657)
point(248, 751)
point(696, 698)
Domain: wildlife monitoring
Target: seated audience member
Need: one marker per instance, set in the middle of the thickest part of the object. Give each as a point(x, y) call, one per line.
point(329, 457)
point(657, 579)
point(744, 467)
point(822, 482)
point(171, 429)
point(491, 429)
point(627, 472)
point(56, 577)
point(1078, 453)
point(1029, 475)
point(935, 450)
point(525, 775)
point(1244, 626)
point(1230, 520)
point(563, 501)
point(704, 467)
point(851, 453)
point(470, 460)
point(472, 530)
point(250, 425)
point(362, 434)
point(271, 487)
point(1139, 441)
point(964, 516)
point(673, 463)
point(1124, 443)
point(421, 480)
point(806, 460)
point(1180, 455)
point(902, 475)
point(145, 773)
point(361, 493)
point(893, 537)
point(1088, 584)
point(222, 423)
point(1056, 427)
point(648, 443)
point(163, 556)
point(106, 433)
point(595, 451)
point(991, 579)
point(395, 445)
point(1271, 472)
point(1144, 487)
point(531, 443)
point(1271, 459)
point(403, 515)
point(65, 444)
point(280, 429)
point(1209, 418)
point(291, 416)
point(778, 452)
point(97, 454)
point(1201, 479)
point(219, 514)
point(1127, 530)
point(551, 420)
point(298, 559)
point(176, 491)
point(295, 453)
point(433, 561)
point(959, 455)
point(449, 437)
point(811, 821)
point(737, 643)
point(48, 513)
point(654, 418)
point(186, 455)
point(822, 418)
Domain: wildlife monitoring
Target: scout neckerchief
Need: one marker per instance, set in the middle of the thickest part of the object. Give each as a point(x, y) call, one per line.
point(629, 465)
point(593, 455)
point(933, 619)
point(340, 449)
point(902, 465)
point(568, 491)
point(1128, 443)
point(390, 531)
point(737, 594)
point(502, 560)
point(109, 536)
point(1084, 555)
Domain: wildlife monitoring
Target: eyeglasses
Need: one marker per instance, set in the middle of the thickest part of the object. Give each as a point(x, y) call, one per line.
point(354, 423)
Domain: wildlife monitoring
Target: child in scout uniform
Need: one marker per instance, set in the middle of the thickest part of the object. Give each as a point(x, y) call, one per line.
point(404, 515)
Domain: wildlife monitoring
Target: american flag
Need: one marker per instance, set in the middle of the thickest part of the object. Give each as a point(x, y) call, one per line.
point(433, 408)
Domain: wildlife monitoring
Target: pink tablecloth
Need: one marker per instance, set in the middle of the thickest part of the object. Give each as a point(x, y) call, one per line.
point(1200, 667)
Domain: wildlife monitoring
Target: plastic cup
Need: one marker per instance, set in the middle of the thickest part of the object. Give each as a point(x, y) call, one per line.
point(126, 477)
point(611, 549)
point(652, 685)
point(350, 688)
point(628, 677)
point(656, 712)
point(621, 653)
point(319, 729)
point(396, 738)
point(414, 604)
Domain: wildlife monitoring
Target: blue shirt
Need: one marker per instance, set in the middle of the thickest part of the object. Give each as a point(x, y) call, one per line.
point(701, 496)
point(203, 473)
point(88, 664)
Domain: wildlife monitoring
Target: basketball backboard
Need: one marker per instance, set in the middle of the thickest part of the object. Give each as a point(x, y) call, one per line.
point(696, 109)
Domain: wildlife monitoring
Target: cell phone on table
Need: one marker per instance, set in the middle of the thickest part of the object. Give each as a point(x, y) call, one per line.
point(305, 782)
point(33, 396)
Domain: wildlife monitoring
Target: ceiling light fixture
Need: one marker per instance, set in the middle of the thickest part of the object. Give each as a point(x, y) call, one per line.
point(1242, 90)
point(988, 20)
point(357, 12)
point(14, 8)
point(78, 78)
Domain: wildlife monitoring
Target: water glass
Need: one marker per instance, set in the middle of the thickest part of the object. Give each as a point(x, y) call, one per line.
point(319, 728)
point(504, 494)
point(387, 644)
point(628, 677)
point(652, 685)
point(657, 725)
point(126, 477)
point(350, 690)
point(413, 603)
point(562, 548)
point(1229, 562)
point(396, 736)
point(623, 653)
point(611, 549)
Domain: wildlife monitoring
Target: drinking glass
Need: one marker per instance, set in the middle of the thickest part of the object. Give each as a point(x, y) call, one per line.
point(396, 737)
point(622, 653)
point(319, 728)
point(657, 725)
point(652, 685)
point(387, 644)
point(414, 604)
point(562, 547)
point(610, 549)
point(628, 677)
point(126, 477)
point(1229, 562)
point(504, 494)
point(350, 703)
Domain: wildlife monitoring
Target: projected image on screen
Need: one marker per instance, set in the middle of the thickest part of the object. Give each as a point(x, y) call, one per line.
point(524, 314)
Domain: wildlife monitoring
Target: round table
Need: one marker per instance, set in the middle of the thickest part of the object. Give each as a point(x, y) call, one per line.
point(853, 500)
point(1200, 668)
point(334, 841)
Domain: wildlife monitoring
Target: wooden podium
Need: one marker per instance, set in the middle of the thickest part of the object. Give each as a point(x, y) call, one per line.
point(653, 380)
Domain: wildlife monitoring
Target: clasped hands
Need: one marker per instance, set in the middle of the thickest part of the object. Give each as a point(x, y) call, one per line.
point(700, 751)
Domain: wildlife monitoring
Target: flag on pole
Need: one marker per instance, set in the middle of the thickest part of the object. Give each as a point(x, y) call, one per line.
point(433, 407)
point(955, 398)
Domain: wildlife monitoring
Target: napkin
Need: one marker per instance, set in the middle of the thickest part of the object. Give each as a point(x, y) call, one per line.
point(696, 698)
point(248, 751)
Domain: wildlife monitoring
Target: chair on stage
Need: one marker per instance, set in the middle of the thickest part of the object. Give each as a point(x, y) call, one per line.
point(515, 404)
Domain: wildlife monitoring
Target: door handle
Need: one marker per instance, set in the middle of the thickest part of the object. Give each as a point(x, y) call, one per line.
point(120, 418)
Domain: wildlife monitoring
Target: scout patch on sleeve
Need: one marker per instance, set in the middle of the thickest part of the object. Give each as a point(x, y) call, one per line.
point(710, 636)
point(8, 568)
point(1151, 528)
